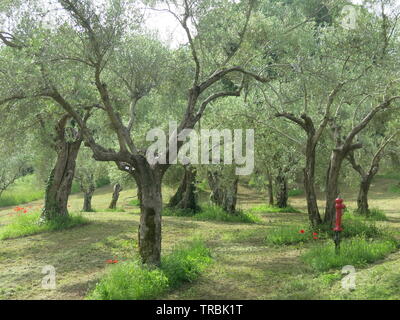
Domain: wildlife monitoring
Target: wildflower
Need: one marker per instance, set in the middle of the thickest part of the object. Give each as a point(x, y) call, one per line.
point(301, 231)
point(109, 261)
point(315, 234)
point(315, 238)
point(25, 211)
point(115, 261)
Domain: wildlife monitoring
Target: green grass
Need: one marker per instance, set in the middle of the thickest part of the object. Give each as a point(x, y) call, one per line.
point(24, 190)
point(273, 209)
point(295, 192)
point(25, 224)
point(374, 215)
point(356, 252)
point(134, 202)
point(213, 213)
point(112, 210)
point(186, 263)
point(175, 212)
point(395, 189)
point(395, 175)
point(290, 234)
point(353, 226)
point(133, 281)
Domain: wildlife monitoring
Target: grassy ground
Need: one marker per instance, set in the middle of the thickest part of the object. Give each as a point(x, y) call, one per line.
point(244, 266)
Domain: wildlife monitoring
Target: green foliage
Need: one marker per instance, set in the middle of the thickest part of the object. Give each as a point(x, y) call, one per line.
point(353, 226)
point(130, 281)
point(377, 215)
point(134, 202)
point(134, 281)
point(395, 189)
point(215, 213)
point(289, 234)
point(26, 224)
point(24, 190)
point(75, 188)
point(295, 192)
point(355, 252)
point(273, 209)
point(185, 263)
point(374, 214)
point(102, 181)
point(395, 175)
point(357, 226)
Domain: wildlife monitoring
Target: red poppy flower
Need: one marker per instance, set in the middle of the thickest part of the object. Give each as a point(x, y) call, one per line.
point(25, 211)
point(315, 234)
point(109, 261)
point(301, 231)
point(115, 261)
point(315, 238)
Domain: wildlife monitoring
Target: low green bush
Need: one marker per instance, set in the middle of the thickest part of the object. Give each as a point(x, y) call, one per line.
point(25, 224)
point(130, 281)
point(134, 281)
point(355, 252)
point(186, 263)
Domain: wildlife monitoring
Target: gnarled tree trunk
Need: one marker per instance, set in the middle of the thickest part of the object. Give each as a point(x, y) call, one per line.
point(115, 196)
point(282, 190)
point(225, 195)
point(309, 180)
point(270, 188)
point(148, 181)
point(362, 199)
point(59, 183)
point(186, 196)
point(332, 185)
point(87, 198)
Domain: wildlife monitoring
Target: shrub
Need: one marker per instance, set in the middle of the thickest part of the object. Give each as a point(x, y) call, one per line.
point(134, 281)
point(130, 281)
point(272, 209)
point(290, 234)
point(185, 263)
point(355, 252)
point(26, 224)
